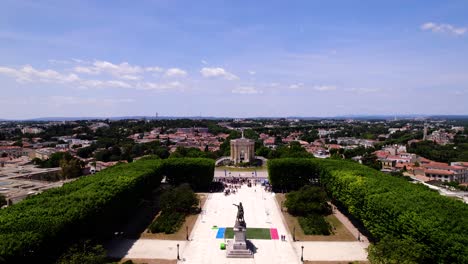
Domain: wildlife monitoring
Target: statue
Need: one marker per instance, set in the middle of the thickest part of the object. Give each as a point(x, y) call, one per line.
point(240, 213)
point(238, 248)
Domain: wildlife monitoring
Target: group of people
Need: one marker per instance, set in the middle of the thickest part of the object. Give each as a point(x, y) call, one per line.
point(232, 184)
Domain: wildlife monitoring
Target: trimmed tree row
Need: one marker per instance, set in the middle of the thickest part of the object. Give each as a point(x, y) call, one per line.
point(42, 226)
point(396, 212)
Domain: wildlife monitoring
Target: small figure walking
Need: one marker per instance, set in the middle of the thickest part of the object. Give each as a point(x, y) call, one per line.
point(359, 237)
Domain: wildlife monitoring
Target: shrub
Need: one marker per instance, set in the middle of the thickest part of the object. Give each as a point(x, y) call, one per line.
point(391, 250)
point(3, 200)
point(181, 199)
point(314, 224)
point(291, 173)
point(308, 200)
point(198, 172)
point(84, 253)
point(175, 205)
point(167, 222)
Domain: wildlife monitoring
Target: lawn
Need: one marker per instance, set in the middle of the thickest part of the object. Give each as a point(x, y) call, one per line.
point(252, 233)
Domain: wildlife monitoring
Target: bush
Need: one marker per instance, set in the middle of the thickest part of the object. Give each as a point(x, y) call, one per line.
point(314, 224)
point(310, 203)
point(175, 205)
point(198, 172)
point(291, 174)
point(167, 222)
point(3, 200)
point(308, 200)
point(391, 250)
point(181, 199)
point(84, 253)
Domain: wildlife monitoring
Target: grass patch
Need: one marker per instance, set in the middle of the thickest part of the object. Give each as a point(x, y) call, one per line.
point(252, 233)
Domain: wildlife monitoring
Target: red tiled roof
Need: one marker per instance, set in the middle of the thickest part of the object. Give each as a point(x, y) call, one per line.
point(9, 147)
point(441, 166)
point(441, 172)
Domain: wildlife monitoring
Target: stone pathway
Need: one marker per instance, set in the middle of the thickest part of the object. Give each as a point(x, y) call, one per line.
point(332, 251)
point(345, 221)
point(144, 248)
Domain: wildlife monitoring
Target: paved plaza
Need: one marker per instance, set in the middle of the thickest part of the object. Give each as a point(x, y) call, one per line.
point(261, 211)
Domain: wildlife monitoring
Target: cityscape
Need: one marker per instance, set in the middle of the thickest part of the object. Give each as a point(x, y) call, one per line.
point(203, 132)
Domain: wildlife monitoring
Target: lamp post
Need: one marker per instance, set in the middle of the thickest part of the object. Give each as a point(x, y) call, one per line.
point(302, 254)
point(186, 230)
point(178, 257)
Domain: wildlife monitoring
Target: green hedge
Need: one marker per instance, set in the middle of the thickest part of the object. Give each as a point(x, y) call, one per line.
point(167, 222)
point(393, 209)
point(176, 204)
point(198, 172)
point(291, 173)
point(314, 224)
point(42, 225)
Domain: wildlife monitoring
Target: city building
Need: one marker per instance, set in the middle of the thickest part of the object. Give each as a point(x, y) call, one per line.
point(31, 130)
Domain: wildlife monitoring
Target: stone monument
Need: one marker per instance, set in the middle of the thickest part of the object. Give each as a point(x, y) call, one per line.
point(242, 150)
point(237, 248)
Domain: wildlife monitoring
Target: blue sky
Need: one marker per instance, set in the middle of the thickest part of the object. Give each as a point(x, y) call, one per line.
point(232, 58)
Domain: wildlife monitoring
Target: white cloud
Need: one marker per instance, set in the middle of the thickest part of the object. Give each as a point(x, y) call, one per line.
point(104, 84)
point(29, 74)
point(204, 62)
point(246, 90)
point(324, 88)
point(444, 28)
point(130, 77)
point(123, 68)
point(218, 72)
point(87, 70)
point(296, 85)
point(122, 76)
point(175, 72)
point(154, 69)
point(159, 86)
point(252, 72)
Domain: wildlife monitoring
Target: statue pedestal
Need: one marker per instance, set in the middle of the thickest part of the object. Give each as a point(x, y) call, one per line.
point(237, 248)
